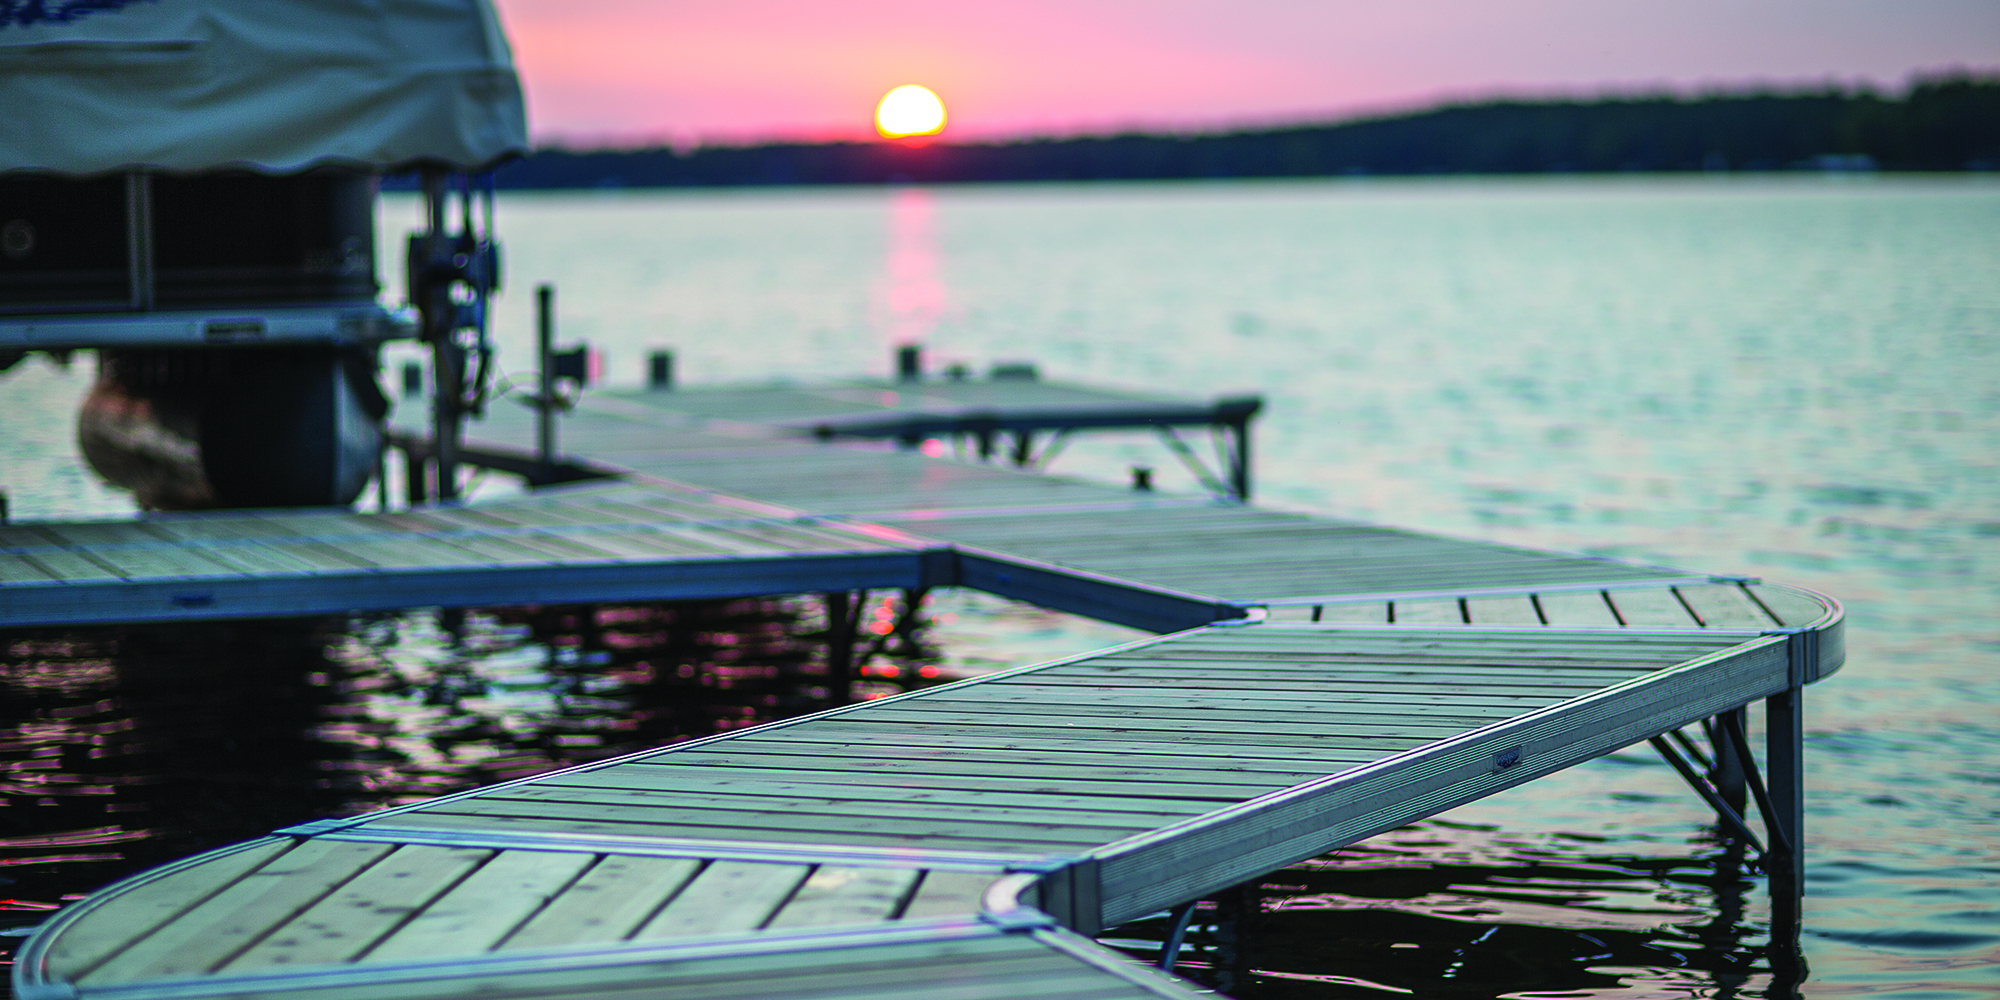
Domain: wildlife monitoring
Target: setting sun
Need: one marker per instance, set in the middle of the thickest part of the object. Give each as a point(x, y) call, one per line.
point(908, 111)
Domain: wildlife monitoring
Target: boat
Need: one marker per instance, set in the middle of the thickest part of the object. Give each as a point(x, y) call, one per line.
point(191, 194)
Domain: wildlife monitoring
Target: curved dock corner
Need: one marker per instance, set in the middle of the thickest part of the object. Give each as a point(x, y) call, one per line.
point(967, 839)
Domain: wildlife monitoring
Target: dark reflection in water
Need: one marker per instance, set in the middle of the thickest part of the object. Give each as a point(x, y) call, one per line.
point(1443, 910)
point(128, 747)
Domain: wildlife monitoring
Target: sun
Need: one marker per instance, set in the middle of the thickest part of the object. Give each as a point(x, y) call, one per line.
point(909, 110)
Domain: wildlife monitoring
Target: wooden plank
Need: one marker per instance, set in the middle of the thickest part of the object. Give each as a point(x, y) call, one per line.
point(948, 894)
point(1225, 707)
point(1330, 686)
point(748, 835)
point(20, 569)
point(340, 927)
point(1433, 612)
point(846, 757)
point(103, 931)
point(829, 821)
point(727, 897)
point(1573, 607)
point(1724, 605)
point(479, 913)
point(608, 903)
point(1214, 726)
point(1168, 784)
point(840, 895)
point(1386, 685)
point(1790, 608)
point(1651, 608)
point(158, 561)
point(94, 533)
point(70, 567)
point(945, 805)
point(688, 789)
point(1295, 640)
point(1502, 611)
point(1231, 698)
point(256, 559)
point(321, 558)
point(1027, 750)
point(1587, 671)
point(239, 915)
point(1032, 739)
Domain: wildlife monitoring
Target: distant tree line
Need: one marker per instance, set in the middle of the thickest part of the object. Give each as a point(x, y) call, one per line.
point(1946, 122)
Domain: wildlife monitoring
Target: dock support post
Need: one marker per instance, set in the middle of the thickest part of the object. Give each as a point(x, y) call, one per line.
point(381, 480)
point(415, 471)
point(660, 371)
point(1239, 466)
point(1024, 447)
point(840, 644)
point(447, 357)
point(545, 399)
point(1784, 722)
point(1728, 774)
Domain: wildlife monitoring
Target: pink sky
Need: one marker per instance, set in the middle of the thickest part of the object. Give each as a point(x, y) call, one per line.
point(629, 71)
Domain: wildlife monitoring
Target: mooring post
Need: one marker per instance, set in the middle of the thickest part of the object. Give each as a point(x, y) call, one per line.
point(909, 363)
point(545, 399)
point(660, 371)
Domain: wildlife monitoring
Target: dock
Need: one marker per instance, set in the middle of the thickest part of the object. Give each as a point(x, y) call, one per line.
point(1313, 682)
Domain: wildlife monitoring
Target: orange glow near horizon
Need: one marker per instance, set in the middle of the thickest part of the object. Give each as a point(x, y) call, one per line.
point(909, 111)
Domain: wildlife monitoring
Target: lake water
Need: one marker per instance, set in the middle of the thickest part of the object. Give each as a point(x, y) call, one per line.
point(1794, 378)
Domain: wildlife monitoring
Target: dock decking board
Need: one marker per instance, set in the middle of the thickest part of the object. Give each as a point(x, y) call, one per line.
point(1371, 676)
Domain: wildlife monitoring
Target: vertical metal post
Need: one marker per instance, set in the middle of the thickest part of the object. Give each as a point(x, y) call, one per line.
point(447, 358)
point(1024, 447)
point(415, 471)
point(545, 405)
point(839, 645)
point(1784, 756)
point(139, 238)
point(660, 374)
point(1239, 471)
point(909, 363)
point(1728, 775)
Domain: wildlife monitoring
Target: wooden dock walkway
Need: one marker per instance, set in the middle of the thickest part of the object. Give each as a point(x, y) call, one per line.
point(1321, 681)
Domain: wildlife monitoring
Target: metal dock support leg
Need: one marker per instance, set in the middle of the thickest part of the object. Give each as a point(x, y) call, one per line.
point(840, 608)
point(416, 469)
point(1785, 761)
point(1784, 723)
point(1728, 774)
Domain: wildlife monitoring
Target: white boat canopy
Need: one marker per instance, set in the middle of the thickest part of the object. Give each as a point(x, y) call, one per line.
point(277, 86)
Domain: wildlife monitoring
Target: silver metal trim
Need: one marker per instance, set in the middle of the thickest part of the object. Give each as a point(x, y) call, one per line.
point(552, 960)
point(31, 964)
point(356, 322)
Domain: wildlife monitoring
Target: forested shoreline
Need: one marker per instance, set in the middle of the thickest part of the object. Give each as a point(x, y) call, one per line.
point(1945, 123)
